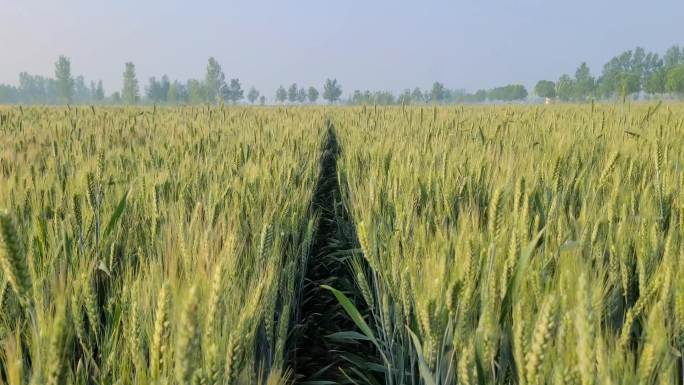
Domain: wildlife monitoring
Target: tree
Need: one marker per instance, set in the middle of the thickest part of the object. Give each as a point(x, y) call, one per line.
point(628, 83)
point(565, 88)
point(8, 94)
point(262, 100)
point(628, 72)
point(197, 91)
point(675, 80)
point(252, 95)
point(281, 95)
point(214, 81)
point(655, 83)
point(508, 93)
point(437, 94)
point(673, 57)
point(405, 97)
point(32, 89)
point(130, 91)
point(164, 86)
point(116, 98)
point(357, 98)
point(99, 92)
point(233, 92)
point(65, 83)
point(301, 95)
point(172, 94)
point(331, 90)
point(417, 96)
point(92, 90)
point(611, 81)
point(480, 96)
point(154, 91)
point(178, 93)
point(545, 89)
point(584, 82)
point(81, 94)
point(292, 93)
point(312, 95)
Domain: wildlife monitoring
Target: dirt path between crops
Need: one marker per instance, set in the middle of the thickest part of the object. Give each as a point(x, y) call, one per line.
point(315, 357)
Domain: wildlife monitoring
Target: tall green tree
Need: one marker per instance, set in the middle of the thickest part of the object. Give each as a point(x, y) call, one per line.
point(312, 94)
point(565, 87)
point(545, 89)
point(675, 80)
point(628, 83)
point(655, 82)
point(99, 92)
point(301, 95)
point(233, 92)
point(157, 91)
point(281, 95)
point(172, 94)
point(673, 57)
point(417, 96)
point(65, 82)
point(584, 82)
point(196, 90)
point(154, 91)
point(438, 92)
point(130, 93)
point(331, 90)
point(252, 95)
point(81, 93)
point(508, 93)
point(214, 81)
point(480, 96)
point(405, 97)
point(292, 93)
point(164, 85)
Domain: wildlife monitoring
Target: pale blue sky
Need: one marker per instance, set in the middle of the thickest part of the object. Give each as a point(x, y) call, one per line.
point(364, 44)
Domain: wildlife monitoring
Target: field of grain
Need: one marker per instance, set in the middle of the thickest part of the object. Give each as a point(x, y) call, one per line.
point(359, 245)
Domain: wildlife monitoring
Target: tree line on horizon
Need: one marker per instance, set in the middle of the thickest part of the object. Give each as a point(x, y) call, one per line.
point(215, 88)
point(632, 73)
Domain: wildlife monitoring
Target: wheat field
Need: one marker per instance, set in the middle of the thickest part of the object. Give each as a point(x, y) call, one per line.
point(354, 245)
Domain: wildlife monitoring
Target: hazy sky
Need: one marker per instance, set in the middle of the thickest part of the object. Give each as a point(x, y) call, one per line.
point(364, 44)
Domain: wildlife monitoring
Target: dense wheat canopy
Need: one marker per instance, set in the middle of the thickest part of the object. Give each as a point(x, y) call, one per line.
point(520, 244)
point(152, 245)
point(396, 245)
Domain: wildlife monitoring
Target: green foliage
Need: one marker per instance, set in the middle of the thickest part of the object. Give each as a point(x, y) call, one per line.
point(534, 246)
point(292, 93)
point(233, 92)
point(508, 93)
point(675, 80)
point(136, 254)
point(367, 97)
point(158, 91)
point(252, 95)
point(130, 93)
point(545, 89)
point(438, 92)
point(584, 82)
point(331, 91)
point(214, 82)
point(281, 95)
point(65, 82)
point(312, 94)
point(565, 88)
